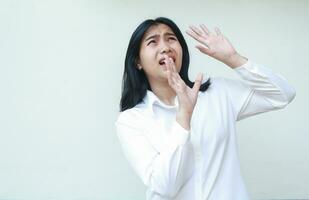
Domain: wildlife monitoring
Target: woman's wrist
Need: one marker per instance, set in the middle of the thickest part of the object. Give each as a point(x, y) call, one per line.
point(184, 119)
point(235, 60)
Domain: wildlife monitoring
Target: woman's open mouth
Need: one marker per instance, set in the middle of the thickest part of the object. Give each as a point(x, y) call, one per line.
point(162, 61)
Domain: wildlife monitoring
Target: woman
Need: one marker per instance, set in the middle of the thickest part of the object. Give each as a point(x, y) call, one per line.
point(180, 136)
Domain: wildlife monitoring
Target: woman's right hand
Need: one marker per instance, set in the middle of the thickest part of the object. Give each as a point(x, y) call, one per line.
point(187, 96)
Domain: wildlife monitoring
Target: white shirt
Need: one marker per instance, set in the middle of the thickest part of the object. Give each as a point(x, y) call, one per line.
point(203, 163)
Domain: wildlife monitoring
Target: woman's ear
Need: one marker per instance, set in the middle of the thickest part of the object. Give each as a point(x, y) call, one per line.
point(139, 66)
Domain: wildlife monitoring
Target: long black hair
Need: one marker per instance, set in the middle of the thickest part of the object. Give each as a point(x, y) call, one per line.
point(134, 82)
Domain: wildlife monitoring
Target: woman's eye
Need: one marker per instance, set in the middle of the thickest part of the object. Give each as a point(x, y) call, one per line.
point(151, 41)
point(172, 38)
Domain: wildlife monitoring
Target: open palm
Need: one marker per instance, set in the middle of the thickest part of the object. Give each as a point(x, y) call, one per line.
point(187, 96)
point(214, 44)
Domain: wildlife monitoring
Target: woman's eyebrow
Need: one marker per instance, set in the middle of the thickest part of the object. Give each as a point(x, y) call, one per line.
point(157, 35)
point(168, 34)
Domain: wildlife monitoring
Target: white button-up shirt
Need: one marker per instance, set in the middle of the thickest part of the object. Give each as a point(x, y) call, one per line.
point(201, 163)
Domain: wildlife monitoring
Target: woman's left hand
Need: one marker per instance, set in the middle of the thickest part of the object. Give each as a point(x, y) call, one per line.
point(216, 45)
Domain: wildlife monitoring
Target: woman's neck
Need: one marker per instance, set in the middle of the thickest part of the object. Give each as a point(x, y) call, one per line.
point(164, 92)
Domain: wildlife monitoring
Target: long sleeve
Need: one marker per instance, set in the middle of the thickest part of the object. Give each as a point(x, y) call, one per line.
point(163, 172)
point(260, 90)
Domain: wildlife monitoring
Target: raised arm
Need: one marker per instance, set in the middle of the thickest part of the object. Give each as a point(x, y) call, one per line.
point(260, 90)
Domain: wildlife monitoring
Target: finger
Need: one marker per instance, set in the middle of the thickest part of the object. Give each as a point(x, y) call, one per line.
point(205, 29)
point(200, 47)
point(198, 82)
point(196, 30)
point(174, 82)
point(169, 73)
point(175, 74)
point(177, 81)
point(193, 35)
point(171, 69)
point(168, 61)
point(203, 49)
point(173, 65)
point(170, 78)
point(197, 38)
point(218, 31)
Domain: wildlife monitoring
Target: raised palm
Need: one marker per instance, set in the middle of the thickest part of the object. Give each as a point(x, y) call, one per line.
point(214, 44)
point(187, 96)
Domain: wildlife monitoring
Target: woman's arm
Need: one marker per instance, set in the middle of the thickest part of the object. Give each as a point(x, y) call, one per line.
point(260, 90)
point(162, 172)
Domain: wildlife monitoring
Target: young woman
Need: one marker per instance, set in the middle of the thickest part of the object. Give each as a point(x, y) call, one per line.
point(180, 136)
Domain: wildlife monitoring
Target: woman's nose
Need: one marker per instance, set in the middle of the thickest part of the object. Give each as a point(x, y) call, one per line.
point(165, 47)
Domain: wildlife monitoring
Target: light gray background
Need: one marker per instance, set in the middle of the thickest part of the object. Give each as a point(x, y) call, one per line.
point(61, 65)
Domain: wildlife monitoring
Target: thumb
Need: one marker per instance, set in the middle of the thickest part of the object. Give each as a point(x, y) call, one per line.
point(203, 49)
point(198, 82)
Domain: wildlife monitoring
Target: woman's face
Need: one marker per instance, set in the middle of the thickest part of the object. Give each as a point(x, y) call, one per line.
point(159, 40)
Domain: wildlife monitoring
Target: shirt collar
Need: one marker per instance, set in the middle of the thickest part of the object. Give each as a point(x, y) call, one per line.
point(151, 99)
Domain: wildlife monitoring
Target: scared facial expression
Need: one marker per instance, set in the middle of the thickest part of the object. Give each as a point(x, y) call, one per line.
point(159, 40)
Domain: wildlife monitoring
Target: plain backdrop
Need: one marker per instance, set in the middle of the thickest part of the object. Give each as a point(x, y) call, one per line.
point(61, 65)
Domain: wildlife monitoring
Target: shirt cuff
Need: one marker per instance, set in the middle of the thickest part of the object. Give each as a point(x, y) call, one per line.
point(245, 65)
point(250, 69)
point(179, 135)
